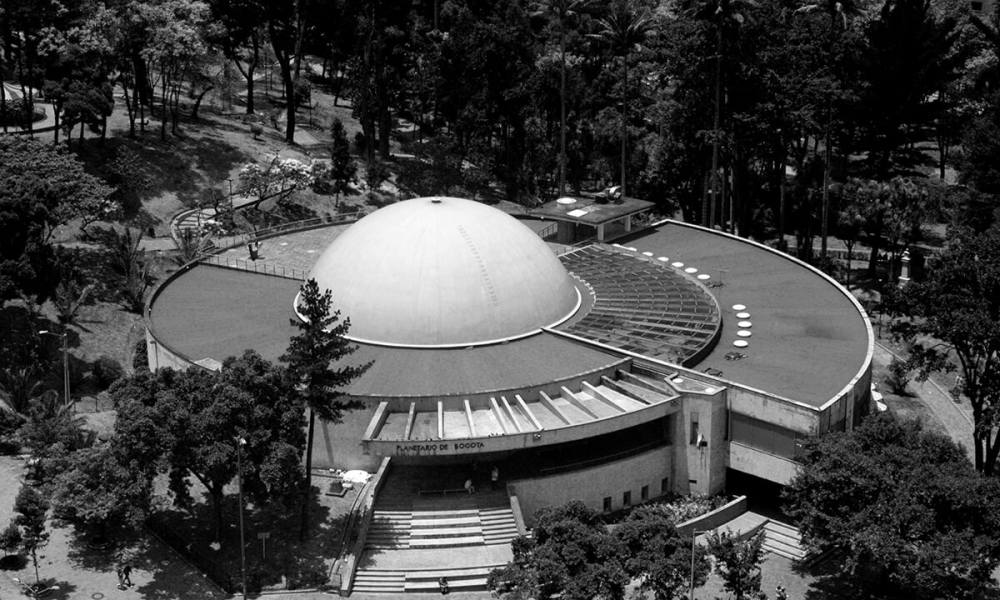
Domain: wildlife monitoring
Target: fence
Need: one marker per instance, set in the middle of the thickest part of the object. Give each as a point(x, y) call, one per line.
point(227, 242)
point(255, 267)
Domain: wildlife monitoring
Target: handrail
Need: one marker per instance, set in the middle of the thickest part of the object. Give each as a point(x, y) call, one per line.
point(350, 563)
point(547, 231)
point(255, 267)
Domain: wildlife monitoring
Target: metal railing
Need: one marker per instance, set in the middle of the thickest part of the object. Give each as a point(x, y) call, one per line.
point(228, 242)
point(544, 233)
point(255, 267)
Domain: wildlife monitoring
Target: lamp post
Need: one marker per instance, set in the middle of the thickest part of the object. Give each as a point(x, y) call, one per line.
point(240, 442)
point(65, 353)
point(694, 536)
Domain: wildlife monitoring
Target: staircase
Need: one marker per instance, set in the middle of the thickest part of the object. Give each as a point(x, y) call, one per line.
point(379, 582)
point(783, 540)
point(442, 522)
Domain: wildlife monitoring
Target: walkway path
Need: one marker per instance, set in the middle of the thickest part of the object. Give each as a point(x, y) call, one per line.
point(954, 418)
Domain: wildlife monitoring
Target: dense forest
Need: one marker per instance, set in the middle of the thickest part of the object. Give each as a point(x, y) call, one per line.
point(743, 115)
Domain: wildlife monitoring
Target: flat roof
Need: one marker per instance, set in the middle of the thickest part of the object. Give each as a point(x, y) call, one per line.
point(589, 212)
point(808, 339)
point(214, 312)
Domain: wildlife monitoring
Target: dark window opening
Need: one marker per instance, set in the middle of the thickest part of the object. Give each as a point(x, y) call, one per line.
point(644, 492)
point(627, 499)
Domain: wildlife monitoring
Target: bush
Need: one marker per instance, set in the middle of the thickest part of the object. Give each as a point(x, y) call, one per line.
point(140, 360)
point(106, 371)
point(897, 376)
point(303, 92)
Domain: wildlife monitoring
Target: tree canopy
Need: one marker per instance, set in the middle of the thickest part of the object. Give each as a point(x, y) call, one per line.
point(953, 316)
point(190, 421)
point(913, 516)
point(41, 188)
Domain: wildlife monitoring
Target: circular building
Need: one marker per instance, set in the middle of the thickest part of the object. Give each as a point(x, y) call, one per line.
point(675, 360)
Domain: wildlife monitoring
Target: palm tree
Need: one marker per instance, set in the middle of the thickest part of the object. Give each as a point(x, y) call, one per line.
point(625, 27)
point(838, 11)
point(564, 9)
point(718, 13)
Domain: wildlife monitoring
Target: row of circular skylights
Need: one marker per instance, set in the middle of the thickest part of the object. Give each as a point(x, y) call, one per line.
point(744, 324)
point(676, 264)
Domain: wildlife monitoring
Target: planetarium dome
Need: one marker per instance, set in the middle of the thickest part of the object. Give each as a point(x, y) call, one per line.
point(444, 272)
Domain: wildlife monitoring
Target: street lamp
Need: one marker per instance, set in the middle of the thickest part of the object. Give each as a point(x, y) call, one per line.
point(65, 353)
point(240, 442)
point(694, 536)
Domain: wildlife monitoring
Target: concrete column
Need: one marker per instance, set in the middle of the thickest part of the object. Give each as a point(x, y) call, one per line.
point(600, 232)
point(628, 223)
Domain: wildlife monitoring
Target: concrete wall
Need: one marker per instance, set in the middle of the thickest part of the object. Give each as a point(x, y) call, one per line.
point(761, 464)
point(702, 468)
point(338, 446)
point(715, 518)
point(592, 485)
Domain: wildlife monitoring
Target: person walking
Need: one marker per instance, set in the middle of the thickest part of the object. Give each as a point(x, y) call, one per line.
point(121, 578)
point(127, 574)
point(494, 477)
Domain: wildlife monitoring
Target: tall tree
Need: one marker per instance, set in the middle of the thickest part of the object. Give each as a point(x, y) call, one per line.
point(625, 27)
point(914, 51)
point(722, 16)
point(41, 188)
point(738, 562)
point(30, 513)
point(954, 316)
point(658, 557)
point(190, 420)
point(838, 12)
point(311, 357)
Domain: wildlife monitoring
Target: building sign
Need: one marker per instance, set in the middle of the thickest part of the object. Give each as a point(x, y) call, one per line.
point(424, 448)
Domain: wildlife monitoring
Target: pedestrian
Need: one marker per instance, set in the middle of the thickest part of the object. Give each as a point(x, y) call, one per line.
point(127, 574)
point(443, 585)
point(780, 593)
point(121, 578)
point(494, 477)
point(469, 487)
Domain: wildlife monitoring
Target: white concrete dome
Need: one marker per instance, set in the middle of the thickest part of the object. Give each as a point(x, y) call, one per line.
point(440, 272)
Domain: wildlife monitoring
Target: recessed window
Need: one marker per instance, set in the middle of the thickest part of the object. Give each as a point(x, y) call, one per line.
point(644, 492)
point(627, 498)
point(607, 504)
point(694, 428)
point(664, 485)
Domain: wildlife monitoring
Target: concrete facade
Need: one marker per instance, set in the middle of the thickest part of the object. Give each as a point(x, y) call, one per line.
point(666, 427)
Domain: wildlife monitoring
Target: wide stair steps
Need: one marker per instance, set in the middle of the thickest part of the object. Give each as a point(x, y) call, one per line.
point(398, 582)
point(379, 582)
point(783, 540)
point(441, 522)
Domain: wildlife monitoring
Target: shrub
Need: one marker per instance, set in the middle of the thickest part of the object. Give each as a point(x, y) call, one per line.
point(106, 371)
point(897, 376)
point(140, 360)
